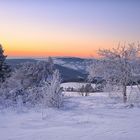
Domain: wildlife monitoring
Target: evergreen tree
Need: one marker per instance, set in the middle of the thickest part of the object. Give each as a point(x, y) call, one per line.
point(4, 68)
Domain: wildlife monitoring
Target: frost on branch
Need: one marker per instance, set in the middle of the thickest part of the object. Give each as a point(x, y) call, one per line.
point(52, 92)
point(33, 83)
point(118, 66)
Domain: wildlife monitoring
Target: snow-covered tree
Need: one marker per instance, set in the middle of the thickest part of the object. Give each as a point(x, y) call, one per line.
point(32, 74)
point(86, 89)
point(52, 91)
point(117, 66)
point(34, 83)
point(4, 68)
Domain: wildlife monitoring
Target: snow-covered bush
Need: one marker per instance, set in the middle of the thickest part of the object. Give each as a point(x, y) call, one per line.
point(52, 91)
point(86, 89)
point(32, 74)
point(33, 83)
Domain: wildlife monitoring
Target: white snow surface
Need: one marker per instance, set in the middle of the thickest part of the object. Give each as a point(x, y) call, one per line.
point(96, 117)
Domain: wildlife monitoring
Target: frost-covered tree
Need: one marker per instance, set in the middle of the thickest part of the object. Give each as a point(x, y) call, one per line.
point(52, 91)
point(118, 66)
point(34, 83)
point(82, 90)
point(4, 68)
point(86, 89)
point(32, 74)
point(27, 76)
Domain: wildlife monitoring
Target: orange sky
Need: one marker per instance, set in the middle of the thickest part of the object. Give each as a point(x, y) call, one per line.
point(66, 28)
point(32, 41)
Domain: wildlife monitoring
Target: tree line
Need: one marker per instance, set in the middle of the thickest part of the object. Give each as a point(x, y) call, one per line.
point(39, 82)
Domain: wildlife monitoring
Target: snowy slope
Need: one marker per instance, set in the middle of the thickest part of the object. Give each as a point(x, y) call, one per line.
point(72, 62)
point(82, 118)
point(68, 73)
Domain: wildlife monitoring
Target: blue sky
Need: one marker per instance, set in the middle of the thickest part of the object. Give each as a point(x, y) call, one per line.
point(55, 24)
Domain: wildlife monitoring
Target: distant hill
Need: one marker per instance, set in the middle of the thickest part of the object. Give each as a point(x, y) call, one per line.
point(70, 75)
point(14, 62)
point(73, 63)
point(71, 69)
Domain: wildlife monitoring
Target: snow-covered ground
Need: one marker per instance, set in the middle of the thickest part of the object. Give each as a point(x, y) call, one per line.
point(95, 117)
point(74, 85)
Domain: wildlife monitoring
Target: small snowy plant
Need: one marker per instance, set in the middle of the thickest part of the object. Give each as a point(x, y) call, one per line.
point(52, 92)
point(19, 104)
point(86, 89)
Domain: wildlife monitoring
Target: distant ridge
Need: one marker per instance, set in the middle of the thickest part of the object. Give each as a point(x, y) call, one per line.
point(71, 69)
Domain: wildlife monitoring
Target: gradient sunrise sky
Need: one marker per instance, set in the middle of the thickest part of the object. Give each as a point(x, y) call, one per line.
point(41, 28)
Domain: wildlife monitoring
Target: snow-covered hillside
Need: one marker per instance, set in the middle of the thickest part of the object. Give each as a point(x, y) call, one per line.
point(71, 69)
point(72, 63)
point(95, 117)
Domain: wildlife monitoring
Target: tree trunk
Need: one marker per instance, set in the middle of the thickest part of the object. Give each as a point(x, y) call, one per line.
point(124, 94)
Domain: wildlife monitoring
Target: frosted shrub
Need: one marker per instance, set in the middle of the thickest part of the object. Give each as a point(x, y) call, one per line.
point(52, 92)
point(32, 84)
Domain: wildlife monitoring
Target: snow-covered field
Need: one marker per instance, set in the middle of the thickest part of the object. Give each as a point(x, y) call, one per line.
point(74, 85)
point(95, 117)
